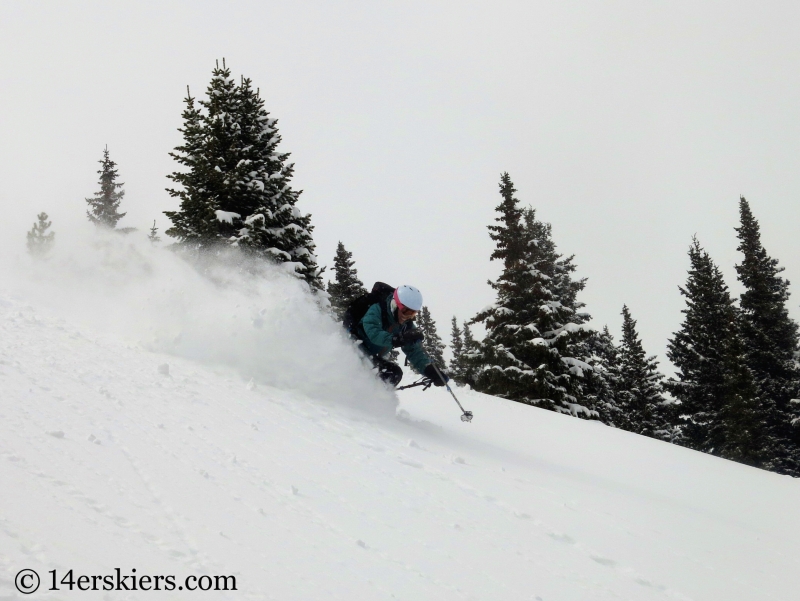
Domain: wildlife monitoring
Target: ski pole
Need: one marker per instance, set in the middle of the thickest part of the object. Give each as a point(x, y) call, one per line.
point(466, 415)
point(425, 383)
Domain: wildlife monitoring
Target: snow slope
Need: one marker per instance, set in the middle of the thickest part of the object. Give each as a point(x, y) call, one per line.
point(302, 491)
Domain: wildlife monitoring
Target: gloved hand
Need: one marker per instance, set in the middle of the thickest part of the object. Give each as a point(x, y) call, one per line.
point(430, 373)
point(407, 337)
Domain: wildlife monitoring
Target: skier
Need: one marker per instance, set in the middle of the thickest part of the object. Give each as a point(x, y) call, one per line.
point(387, 323)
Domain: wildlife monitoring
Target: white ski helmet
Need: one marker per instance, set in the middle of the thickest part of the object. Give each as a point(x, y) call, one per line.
point(408, 297)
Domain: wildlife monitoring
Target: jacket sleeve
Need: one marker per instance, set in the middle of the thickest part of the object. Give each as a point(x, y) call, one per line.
point(417, 356)
point(373, 327)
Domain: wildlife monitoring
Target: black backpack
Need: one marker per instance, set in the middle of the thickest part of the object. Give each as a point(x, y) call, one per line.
point(359, 307)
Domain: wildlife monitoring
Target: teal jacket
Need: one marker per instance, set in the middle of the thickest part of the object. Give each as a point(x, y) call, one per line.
point(376, 336)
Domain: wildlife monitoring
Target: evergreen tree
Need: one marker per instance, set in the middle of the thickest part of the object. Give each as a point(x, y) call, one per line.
point(104, 205)
point(770, 339)
point(236, 188)
point(741, 413)
point(472, 357)
point(433, 345)
point(273, 225)
point(534, 347)
point(39, 240)
point(457, 366)
point(718, 407)
point(698, 350)
point(153, 235)
point(346, 286)
point(603, 385)
point(196, 223)
point(644, 409)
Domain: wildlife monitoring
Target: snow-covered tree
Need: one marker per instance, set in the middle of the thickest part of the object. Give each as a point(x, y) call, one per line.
point(698, 350)
point(236, 185)
point(346, 287)
point(718, 410)
point(39, 240)
point(104, 205)
point(770, 340)
point(641, 401)
point(602, 389)
point(433, 345)
point(534, 348)
point(195, 224)
point(272, 225)
point(209, 155)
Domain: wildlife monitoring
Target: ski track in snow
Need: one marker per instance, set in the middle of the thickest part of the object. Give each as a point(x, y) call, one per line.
point(106, 463)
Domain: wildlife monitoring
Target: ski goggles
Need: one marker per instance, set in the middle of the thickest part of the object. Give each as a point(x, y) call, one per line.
point(406, 312)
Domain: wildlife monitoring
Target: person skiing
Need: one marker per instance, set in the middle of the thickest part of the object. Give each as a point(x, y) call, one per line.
point(389, 323)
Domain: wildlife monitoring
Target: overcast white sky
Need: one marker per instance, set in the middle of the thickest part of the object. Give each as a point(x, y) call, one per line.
point(630, 126)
